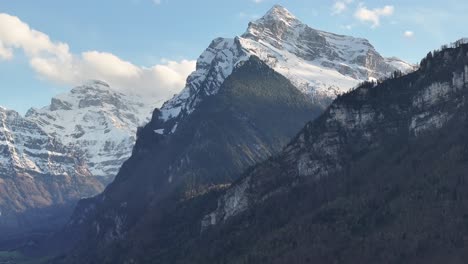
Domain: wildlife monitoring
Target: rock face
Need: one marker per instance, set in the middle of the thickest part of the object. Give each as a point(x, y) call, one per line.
point(379, 177)
point(37, 174)
point(98, 121)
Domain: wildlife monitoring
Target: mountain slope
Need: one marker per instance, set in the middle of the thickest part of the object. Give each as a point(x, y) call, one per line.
point(254, 114)
point(380, 177)
point(37, 175)
point(100, 122)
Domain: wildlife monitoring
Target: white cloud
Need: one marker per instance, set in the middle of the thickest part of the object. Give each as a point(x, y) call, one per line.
point(5, 53)
point(258, 1)
point(408, 34)
point(340, 6)
point(53, 61)
point(107, 64)
point(373, 15)
point(157, 2)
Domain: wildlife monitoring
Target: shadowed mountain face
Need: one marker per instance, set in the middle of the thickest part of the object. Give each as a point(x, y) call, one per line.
point(253, 116)
point(380, 177)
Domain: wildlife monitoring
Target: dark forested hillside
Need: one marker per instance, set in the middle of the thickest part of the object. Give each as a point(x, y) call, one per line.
point(253, 116)
point(380, 177)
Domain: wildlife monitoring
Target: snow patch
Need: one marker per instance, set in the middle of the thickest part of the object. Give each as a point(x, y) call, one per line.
point(159, 131)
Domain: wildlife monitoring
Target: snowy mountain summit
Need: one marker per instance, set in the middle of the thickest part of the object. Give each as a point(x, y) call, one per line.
point(320, 64)
point(97, 120)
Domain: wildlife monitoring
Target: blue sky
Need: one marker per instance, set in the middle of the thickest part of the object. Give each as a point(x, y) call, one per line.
point(136, 35)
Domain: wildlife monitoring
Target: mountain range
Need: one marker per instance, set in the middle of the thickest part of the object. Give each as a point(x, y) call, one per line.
point(189, 168)
point(287, 145)
point(379, 177)
point(98, 125)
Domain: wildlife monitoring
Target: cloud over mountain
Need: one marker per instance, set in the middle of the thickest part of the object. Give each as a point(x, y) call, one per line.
point(53, 60)
point(373, 16)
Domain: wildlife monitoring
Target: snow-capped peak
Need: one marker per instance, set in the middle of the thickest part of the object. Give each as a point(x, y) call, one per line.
point(320, 64)
point(97, 120)
point(278, 13)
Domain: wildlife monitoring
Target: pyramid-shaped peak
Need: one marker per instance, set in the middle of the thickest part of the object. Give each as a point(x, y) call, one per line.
point(278, 12)
point(277, 21)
